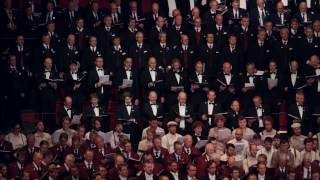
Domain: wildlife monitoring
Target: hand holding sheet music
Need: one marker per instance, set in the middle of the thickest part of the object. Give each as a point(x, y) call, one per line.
point(272, 83)
point(105, 80)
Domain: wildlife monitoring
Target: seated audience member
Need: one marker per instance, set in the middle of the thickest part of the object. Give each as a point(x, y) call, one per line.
point(41, 135)
point(247, 132)
point(171, 137)
point(220, 132)
point(65, 129)
point(15, 137)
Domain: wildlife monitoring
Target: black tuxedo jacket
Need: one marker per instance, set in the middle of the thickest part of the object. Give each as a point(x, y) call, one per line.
point(105, 37)
point(203, 109)
point(145, 79)
point(220, 36)
point(121, 75)
point(93, 78)
point(174, 35)
point(88, 57)
point(114, 59)
point(40, 54)
point(211, 57)
point(261, 56)
point(276, 20)
point(235, 58)
point(163, 55)
point(123, 114)
point(147, 112)
point(284, 53)
point(66, 57)
point(188, 60)
point(306, 120)
point(140, 55)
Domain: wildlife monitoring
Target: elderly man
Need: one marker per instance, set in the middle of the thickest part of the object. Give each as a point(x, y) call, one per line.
point(171, 137)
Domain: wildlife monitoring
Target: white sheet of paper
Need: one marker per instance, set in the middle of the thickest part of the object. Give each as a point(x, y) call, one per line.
point(201, 144)
point(76, 119)
point(182, 124)
point(248, 85)
point(239, 147)
point(243, 4)
point(272, 83)
point(308, 3)
point(104, 79)
point(127, 82)
point(259, 73)
point(285, 2)
point(222, 134)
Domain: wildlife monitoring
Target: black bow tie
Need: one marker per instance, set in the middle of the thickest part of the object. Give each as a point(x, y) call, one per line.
point(299, 105)
point(260, 107)
point(100, 69)
point(153, 104)
point(211, 103)
point(152, 70)
point(68, 109)
point(128, 105)
point(227, 74)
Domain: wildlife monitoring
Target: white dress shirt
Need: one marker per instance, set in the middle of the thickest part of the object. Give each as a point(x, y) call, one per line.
point(153, 74)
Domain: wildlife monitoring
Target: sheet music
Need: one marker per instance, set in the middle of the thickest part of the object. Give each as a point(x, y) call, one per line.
point(248, 85)
point(243, 4)
point(272, 83)
point(76, 119)
point(182, 124)
point(104, 79)
point(239, 147)
point(223, 134)
point(127, 82)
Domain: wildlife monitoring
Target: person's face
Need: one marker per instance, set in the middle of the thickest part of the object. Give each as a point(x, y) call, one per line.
point(80, 23)
point(95, 7)
point(148, 168)
point(294, 25)
point(280, 7)
point(210, 38)
point(149, 136)
point(68, 102)
point(46, 39)
point(139, 37)
point(220, 123)
point(212, 169)
point(93, 41)
point(127, 100)
point(303, 7)
point(188, 142)
point(173, 129)
point(231, 151)
point(176, 65)
point(20, 40)
point(17, 129)
point(268, 125)
point(153, 97)
point(197, 23)
point(99, 62)
point(185, 40)
point(213, 5)
point(38, 158)
point(157, 143)
point(178, 149)
point(192, 171)
point(315, 176)
point(235, 5)
point(173, 167)
point(124, 171)
point(178, 20)
point(257, 101)
point(152, 63)
point(48, 63)
point(308, 146)
point(250, 69)
point(66, 124)
point(253, 151)
point(272, 66)
point(235, 106)
point(294, 66)
point(284, 35)
point(160, 22)
point(242, 123)
point(182, 98)
point(300, 99)
point(199, 67)
point(94, 101)
point(97, 125)
point(88, 156)
point(309, 33)
point(163, 38)
point(211, 96)
point(107, 21)
point(102, 171)
point(132, 23)
point(4, 170)
point(226, 68)
point(268, 145)
point(219, 20)
point(73, 67)
point(53, 174)
point(13, 60)
point(128, 147)
point(154, 124)
point(26, 176)
point(262, 35)
point(51, 27)
point(198, 130)
point(155, 7)
point(245, 22)
point(253, 177)
point(235, 174)
point(284, 146)
point(196, 12)
point(238, 135)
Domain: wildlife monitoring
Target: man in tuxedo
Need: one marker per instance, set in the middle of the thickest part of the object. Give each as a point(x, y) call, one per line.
point(303, 16)
point(257, 112)
point(117, 18)
point(153, 109)
point(219, 30)
point(176, 81)
point(106, 33)
point(14, 91)
point(208, 109)
point(22, 53)
point(156, 30)
point(129, 116)
point(245, 34)
point(127, 79)
point(182, 113)
point(285, 50)
point(233, 54)
point(260, 52)
point(129, 33)
point(43, 51)
point(95, 109)
point(199, 85)
point(74, 85)
point(69, 17)
point(197, 32)
point(262, 172)
point(308, 46)
point(140, 52)
point(8, 18)
point(90, 54)
point(227, 84)
point(259, 14)
point(68, 110)
point(51, 30)
point(186, 53)
point(68, 54)
point(234, 15)
point(173, 172)
point(299, 111)
point(147, 174)
point(163, 51)
point(93, 17)
point(192, 171)
point(251, 84)
point(152, 79)
point(82, 34)
point(210, 15)
point(116, 54)
point(280, 18)
point(100, 81)
point(48, 84)
point(152, 16)
point(176, 30)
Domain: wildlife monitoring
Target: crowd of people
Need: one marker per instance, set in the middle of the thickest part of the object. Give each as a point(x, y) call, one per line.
point(183, 90)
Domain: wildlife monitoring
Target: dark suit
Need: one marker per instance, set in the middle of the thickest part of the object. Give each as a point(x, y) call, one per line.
point(253, 112)
point(40, 54)
point(175, 113)
point(174, 34)
point(212, 57)
point(163, 54)
point(148, 114)
point(171, 81)
point(199, 94)
point(227, 95)
point(187, 57)
point(306, 119)
point(114, 58)
point(203, 110)
point(140, 55)
point(78, 94)
point(66, 57)
point(261, 56)
point(122, 75)
point(157, 83)
point(105, 37)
